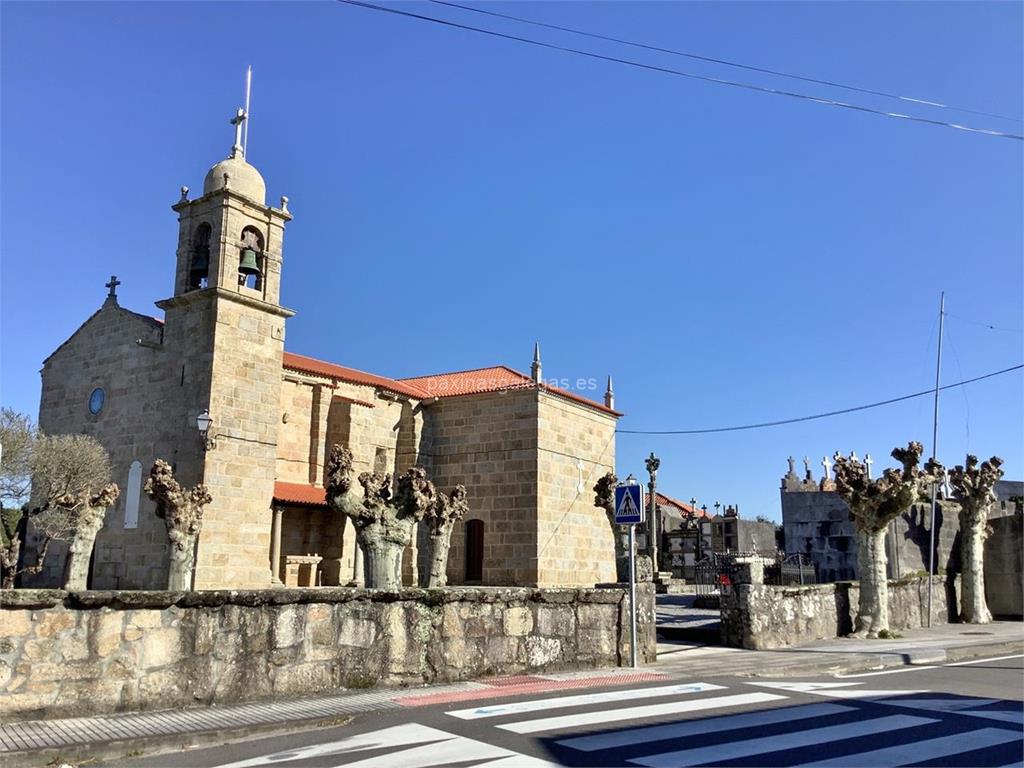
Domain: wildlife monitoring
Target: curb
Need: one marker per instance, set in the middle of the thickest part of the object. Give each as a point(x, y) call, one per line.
point(147, 746)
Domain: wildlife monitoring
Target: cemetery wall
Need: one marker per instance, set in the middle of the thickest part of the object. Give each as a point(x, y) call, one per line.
point(759, 617)
point(1004, 566)
point(69, 654)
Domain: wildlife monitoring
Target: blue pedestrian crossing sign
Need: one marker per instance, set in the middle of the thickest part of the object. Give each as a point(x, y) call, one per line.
point(629, 504)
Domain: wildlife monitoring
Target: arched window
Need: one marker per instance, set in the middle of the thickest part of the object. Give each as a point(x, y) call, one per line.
point(474, 551)
point(199, 265)
point(250, 259)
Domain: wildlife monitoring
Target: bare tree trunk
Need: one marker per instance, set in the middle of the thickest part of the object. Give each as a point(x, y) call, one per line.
point(77, 567)
point(179, 573)
point(973, 607)
point(440, 544)
point(873, 610)
point(9, 561)
point(382, 559)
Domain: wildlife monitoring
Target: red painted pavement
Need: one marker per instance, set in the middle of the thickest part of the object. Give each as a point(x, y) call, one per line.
point(520, 685)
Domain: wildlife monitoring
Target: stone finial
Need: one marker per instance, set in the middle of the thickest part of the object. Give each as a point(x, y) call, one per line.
point(284, 203)
point(535, 368)
point(868, 461)
point(652, 463)
point(828, 467)
point(609, 395)
point(792, 466)
point(184, 194)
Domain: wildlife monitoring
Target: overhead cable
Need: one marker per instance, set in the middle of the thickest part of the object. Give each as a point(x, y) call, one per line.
point(690, 75)
point(817, 415)
point(726, 62)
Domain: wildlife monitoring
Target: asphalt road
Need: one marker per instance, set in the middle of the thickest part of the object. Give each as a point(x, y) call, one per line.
point(964, 714)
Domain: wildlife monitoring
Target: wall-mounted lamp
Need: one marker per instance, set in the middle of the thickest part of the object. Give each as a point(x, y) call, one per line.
point(203, 422)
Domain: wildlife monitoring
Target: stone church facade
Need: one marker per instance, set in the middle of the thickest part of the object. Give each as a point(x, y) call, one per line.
point(529, 453)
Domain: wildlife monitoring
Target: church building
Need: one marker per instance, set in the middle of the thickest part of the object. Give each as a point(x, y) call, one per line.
point(210, 388)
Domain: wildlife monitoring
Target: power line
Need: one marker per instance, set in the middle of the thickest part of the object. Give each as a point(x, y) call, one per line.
point(818, 415)
point(690, 75)
point(726, 62)
point(985, 325)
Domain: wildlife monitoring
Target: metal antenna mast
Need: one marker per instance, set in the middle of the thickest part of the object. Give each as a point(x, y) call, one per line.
point(935, 450)
point(245, 128)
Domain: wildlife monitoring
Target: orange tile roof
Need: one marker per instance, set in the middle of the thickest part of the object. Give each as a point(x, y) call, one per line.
point(331, 371)
point(473, 382)
point(299, 493)
point(682, 506)
point(493, 379)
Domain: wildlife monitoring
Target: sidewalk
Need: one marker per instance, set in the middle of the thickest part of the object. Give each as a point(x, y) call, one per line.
point(940, 644)
point(43, 742)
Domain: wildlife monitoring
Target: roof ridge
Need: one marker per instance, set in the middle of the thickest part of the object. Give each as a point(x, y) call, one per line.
point(466, 370)
point(402, 387)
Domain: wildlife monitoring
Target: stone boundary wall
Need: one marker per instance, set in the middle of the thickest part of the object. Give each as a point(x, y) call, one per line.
point(83, 653)
point(760, 617)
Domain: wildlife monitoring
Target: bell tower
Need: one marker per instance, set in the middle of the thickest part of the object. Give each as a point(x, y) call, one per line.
point(224, 338)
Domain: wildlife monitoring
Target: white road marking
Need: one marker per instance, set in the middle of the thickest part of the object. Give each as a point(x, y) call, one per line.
point(636, 713)
point(803, 687)
point(1017, 718)
point(398, 736)
point(647, 734)
point(885, 672)
point(781, 741)
point(419, 745)
point(920, 751)
point(982, 661)
point(837, 690)
point(536, 705)
point(939, 705)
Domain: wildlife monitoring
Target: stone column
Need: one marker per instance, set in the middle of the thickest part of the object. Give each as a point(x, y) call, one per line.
point(275, 546)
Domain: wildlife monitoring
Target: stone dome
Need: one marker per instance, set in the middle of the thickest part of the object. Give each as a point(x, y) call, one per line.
point(243, 179)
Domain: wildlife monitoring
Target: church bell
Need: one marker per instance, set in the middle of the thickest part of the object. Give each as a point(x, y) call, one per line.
point(248, 265)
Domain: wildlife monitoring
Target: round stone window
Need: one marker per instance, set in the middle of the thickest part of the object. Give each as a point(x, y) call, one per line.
point(96, 400)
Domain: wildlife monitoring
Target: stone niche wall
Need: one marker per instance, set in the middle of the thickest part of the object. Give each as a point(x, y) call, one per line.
point(71, 654)
point(759, 617)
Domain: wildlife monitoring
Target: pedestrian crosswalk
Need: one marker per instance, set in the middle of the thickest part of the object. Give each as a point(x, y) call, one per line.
point(702, 724)
point(755, 723)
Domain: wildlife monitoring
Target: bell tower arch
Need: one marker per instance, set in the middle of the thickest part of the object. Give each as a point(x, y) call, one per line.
point(224, 337)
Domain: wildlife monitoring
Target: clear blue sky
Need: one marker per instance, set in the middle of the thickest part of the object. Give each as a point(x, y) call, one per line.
point(728, 256)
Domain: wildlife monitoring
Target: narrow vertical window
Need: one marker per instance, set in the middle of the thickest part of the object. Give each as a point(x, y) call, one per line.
point(131, 499)
point(474, 551)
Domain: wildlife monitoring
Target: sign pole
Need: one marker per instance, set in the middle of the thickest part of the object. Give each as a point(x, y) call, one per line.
point(629, 510)
point(632, 595)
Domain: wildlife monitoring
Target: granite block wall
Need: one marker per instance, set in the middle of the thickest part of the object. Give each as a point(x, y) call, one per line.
point(86, 653)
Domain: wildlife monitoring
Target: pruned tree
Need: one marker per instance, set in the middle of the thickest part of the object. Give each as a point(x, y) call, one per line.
point(71, 490)
point(182, 513)
point(384, 519)
point(873, 504)
point(604, 498)
point(441, 518)
point(972, 487)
